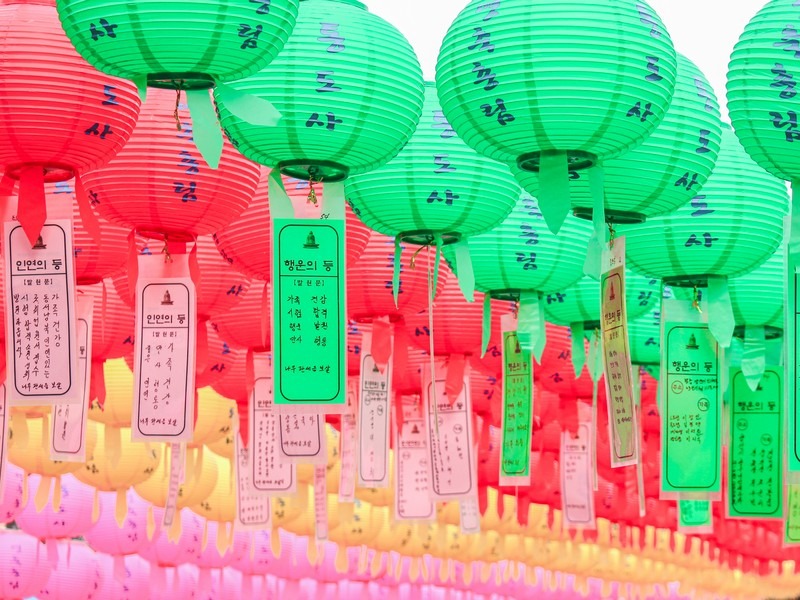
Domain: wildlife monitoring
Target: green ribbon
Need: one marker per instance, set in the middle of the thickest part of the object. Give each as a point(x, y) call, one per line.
point(141, 86)
point(554, 199)
point(398, 254)
point(333, 201)
point(464, 271)
point(486, 333)
point(530, 324)
point(594, 252)
point(721, 322)
point(754, 357)
point(205, 128)
point(249, 108)
point(280, 205)
point(578, 351)
point(437, 240)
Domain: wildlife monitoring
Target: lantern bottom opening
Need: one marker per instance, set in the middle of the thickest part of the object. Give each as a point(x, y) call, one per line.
point(589, 327)
point(304, 169)
point(577, 160)
point(616, 217)
point(177, 237)
point(770, 332)
point(53, 172)
point(427, 237)
point(687, 281)
point(180, 81)
point(510, 294)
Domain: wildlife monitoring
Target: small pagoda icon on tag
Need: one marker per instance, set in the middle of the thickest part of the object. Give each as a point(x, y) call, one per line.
point(311, 241)
point(611, 294)
point(692, 345)
point(39, 245)
point(167, 301)
point(415, 430)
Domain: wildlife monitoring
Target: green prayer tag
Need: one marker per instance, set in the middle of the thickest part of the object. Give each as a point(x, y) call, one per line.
point(517, 412)
point(309, 352)
point(691, 417)
point(791, 524)
point(694, 514)
point(755, 468)
point(792, 364)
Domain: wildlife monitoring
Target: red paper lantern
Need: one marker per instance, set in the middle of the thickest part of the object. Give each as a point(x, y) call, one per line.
point(247, 325)
point(113, 323)
point(218, 360)
point(246, 243)
point(408, 381)
point(355, 331)
point(161, 186)
point(60, 117)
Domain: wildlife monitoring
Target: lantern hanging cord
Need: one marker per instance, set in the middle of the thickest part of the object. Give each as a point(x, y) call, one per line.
point(696, 301)
point(611, 234)
point(414, 256)
point(312, 194)
point(165, 251)
point(177, 105)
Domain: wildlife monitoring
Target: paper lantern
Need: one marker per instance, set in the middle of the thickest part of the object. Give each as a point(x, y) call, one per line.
point(60, 117)
point(522, 255)
point(121, 532)
point(369, 282)
point(549, 86)
point(12, 493)
point(29, 446)
point(200, 480)
point(436, 186)
point(116, 410)
point(667, 170)
point(244, 325)
point(644, 337)
point(72, 518)
point(581, 302)
point(350, 112)
point(135, 583)
point(220, 504)
point(162, 552)
point(220, 550)
point(159, 186)
point(113, 322)
point(757, 298)
point(732, 227)
point(178, 583)
point(761, 89)
point(246, 243)
point(24, 568)
point(76, 576)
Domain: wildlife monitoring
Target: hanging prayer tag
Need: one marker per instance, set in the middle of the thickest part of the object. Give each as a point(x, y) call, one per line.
point(449, 431)
point(176, 456)
point(576, 478)
point(755, 465)
point(302, 439)
point(412, 501)
point(309, 350)
point(253, 509)
point(695, 517)
point(320, 504)
point(617, 357)
point(164, 355)
point(4, 418)
point(791, 522)
point(69, 421)
point(470, 515)
point(349, 445)
point(41, 345)
point(517, 415)
point(791, 328)
point(269, 473)
point(373, 419)
point(691, 415)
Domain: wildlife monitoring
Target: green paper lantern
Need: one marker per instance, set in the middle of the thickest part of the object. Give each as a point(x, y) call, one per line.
point(576, 81)
point(580, 303)
point(349, 88)
point(667, 170)
point(762, 93)
point(437, 185)
point(644, 338)
point(729, 229)
point(178, 45)
point(522, 255)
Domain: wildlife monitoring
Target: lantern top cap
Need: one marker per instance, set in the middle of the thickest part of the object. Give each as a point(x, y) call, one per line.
point(355, 3)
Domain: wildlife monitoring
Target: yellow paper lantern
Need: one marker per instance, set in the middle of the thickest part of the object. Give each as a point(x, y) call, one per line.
point(201, 478)
point(118, 463)
point(29, 446)
point(215, 415)
point(220, 504)
point(223, 447)
point(361, 529)
point(118, 406)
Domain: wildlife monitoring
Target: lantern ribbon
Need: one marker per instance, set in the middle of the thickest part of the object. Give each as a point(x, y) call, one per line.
point(530, 328)
point(398, 255)
point(721, 322)
point(32, 207)
point(89, 220)
point(333, 202)
point(486, 333)
point(7, 184)
point(594, 251)
point(381, 342)
point(437, 240)
point(464, 271)
point(578, 351)
point(454, 382)
point(247, 107)
point(637, 397)
point(754, 357)
point(133, 265)
point(553, 197)
point(141, 87)
point(595, 372)
point(280, 205)
point(205, 129)
point(265, 314)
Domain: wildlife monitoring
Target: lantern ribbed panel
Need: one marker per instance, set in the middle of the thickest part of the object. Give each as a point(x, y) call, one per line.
point(221, 39)
point(757, 298)
point(729, 229)
point(522, 254)
point(233, 385)
point(348, 86)
point(57, 109)
point(159, 183)
point(71, 519)
point(23, 568)
point(80, 580)
point(644, 337)
point(136, 463)
point(569, 73)
point(762, 99)
point(241, 325)
point(581, 302)
point(672, 164)
point(355, 331)
point(218, 361)
point(437, 183)
point(112, 328)
point(456, 322)
point(369, 281)
point(485, 390)
point(246, 243)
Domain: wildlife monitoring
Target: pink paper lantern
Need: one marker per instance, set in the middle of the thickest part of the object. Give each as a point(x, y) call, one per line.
point(73, 517)
point(77, 576)
point(210, 557)
point(12, 492)
point(24, 567)
point(174, 583)
point(132, 583)
point(108, 537)
point(163, 553)
point(259, 559)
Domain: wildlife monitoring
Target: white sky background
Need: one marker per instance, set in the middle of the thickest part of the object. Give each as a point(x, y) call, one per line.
point(703, 30)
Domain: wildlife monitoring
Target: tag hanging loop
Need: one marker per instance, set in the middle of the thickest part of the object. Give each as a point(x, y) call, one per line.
point(175, 114)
